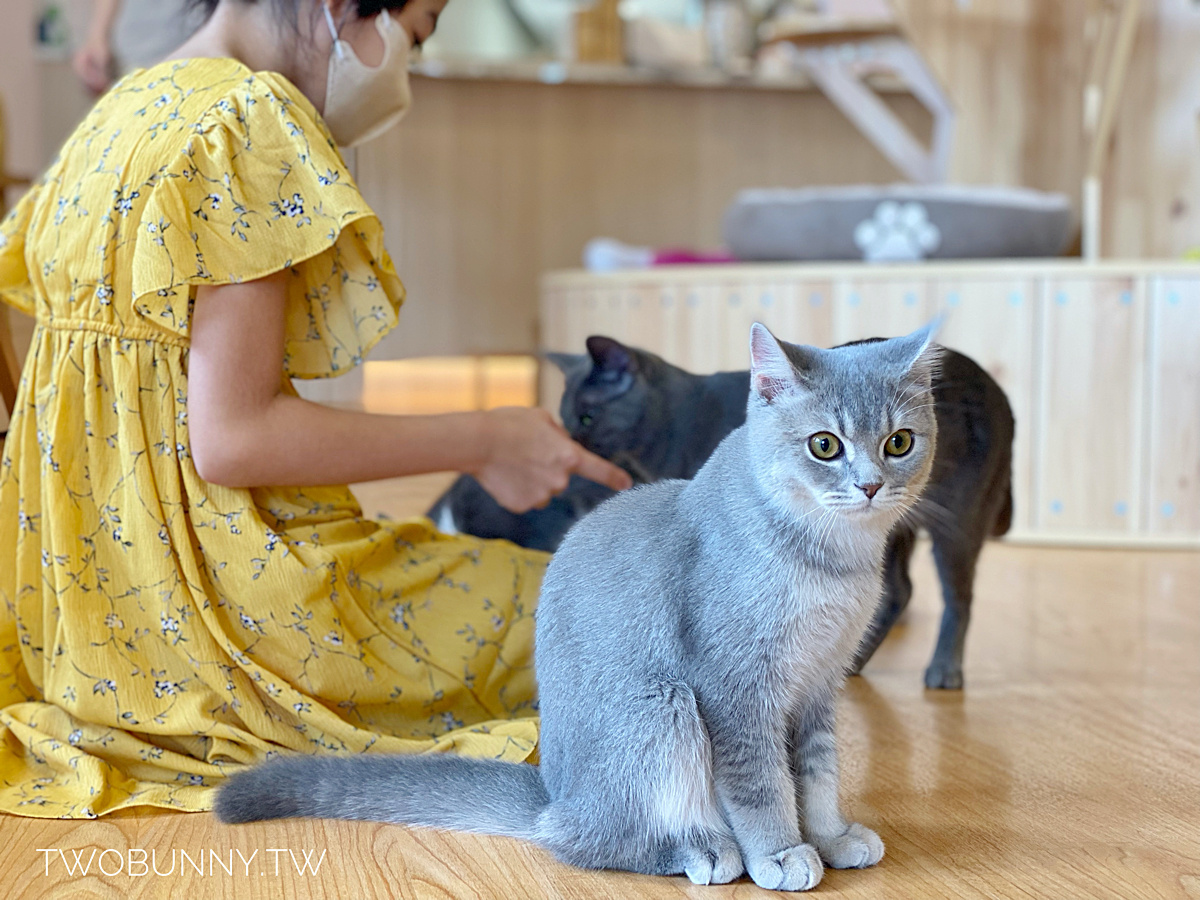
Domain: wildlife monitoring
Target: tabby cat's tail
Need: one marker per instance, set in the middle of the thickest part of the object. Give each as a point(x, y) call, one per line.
point(450, 792)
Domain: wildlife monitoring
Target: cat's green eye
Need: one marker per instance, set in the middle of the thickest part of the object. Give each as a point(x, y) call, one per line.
point(586, 419)
point(899, 443)
point(825, 446)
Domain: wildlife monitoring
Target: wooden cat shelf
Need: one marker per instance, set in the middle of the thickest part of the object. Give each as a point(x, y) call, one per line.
point(1099, 362)
point(853, 41)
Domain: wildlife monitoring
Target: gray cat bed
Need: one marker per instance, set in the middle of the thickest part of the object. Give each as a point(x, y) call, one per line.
point(898, 222)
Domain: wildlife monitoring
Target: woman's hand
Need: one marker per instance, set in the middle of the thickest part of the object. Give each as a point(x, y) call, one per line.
point(529, 458)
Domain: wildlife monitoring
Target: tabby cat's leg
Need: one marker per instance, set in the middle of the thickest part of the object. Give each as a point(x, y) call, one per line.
point(757, 793)
point(955, 557)
point(815, 766)
point(897, 591)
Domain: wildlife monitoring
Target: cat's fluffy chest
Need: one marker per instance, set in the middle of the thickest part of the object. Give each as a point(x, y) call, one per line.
point(818, 622)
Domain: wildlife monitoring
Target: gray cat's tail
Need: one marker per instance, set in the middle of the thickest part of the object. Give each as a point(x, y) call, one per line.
point(444, 791)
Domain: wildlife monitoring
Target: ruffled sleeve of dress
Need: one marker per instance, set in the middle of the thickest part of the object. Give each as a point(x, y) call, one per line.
point(260, 188)
point(15, 286)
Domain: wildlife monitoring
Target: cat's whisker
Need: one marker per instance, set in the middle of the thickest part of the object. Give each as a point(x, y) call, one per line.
point(946, 519)
point(914, 409)
point(816, 509)
point(814, 546)
point(828, 532)
point(930, 514)
point(813, 529)
point(633, 467)
point(920, 398)
point(803, 518)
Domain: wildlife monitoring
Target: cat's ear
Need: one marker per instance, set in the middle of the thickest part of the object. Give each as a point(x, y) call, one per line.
point(611, 355)
point(918, 354)
point(567, 362)
point(771, 372)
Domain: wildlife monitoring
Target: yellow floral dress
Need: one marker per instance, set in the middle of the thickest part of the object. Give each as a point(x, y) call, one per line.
point(157, 631)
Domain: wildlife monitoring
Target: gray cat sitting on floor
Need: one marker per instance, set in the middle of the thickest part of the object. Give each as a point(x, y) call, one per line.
point(692, 638)
point(658, 421)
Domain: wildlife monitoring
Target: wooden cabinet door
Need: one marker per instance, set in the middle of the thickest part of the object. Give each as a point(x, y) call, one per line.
point(798, 311)
point(992, 321)
point(1172, 498)
point(877, 307)
point(1090, 411)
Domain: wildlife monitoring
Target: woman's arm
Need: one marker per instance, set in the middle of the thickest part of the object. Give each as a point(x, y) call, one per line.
point(93, 59)
point(245, 432)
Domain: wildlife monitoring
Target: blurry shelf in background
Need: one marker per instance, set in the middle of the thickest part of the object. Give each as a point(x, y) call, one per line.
point(551, 71)
point(819, 30)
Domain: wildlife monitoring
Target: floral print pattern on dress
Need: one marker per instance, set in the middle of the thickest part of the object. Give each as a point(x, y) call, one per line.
point(157, 631)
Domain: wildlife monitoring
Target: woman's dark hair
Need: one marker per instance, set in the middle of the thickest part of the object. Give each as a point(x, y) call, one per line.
point(287, 8)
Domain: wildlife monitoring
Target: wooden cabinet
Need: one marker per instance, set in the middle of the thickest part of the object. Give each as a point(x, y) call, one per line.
point(1100, 363)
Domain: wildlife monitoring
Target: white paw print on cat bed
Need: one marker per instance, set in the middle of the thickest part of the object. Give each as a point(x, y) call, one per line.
point(897, 232)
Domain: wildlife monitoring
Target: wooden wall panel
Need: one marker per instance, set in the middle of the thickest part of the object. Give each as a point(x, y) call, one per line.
point(1172, 501)
point(487, 185)
point(992, 321)
point(1152, 187)
point(1015, 72)
point(1090, 411)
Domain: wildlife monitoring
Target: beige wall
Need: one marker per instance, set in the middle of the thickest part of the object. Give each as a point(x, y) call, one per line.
point(19, 87)
point(21, 97)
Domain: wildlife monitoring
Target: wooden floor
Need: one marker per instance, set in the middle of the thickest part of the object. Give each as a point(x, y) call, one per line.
point(1070, 767)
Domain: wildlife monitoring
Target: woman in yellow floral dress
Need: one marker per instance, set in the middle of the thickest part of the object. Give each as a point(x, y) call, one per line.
point(172, 609)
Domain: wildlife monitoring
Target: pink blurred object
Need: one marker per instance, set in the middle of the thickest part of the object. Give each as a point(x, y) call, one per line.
point(609, 255)
point(690, 257)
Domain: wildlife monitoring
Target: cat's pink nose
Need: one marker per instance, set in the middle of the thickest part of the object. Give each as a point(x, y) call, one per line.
point(870, 489)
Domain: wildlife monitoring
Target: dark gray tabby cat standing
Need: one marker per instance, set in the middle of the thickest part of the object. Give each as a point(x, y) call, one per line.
point(658, 421)
point(692, 638)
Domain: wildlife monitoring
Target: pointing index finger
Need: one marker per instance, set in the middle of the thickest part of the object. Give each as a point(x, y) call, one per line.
point(601, 471)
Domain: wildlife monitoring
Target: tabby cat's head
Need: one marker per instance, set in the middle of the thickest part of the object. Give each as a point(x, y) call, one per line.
point(850, 431)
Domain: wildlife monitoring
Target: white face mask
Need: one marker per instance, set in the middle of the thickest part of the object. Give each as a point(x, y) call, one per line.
point(363, 102)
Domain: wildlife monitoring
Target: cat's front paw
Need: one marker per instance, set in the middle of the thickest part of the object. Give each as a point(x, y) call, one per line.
point(794, 869)
point(856, 848)
point(944, 677)
point(719, 863)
